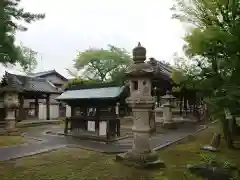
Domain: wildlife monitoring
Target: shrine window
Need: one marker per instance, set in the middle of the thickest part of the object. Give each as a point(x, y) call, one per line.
point(135, 85)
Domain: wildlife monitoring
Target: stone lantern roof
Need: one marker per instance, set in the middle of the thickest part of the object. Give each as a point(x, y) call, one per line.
point(168, 96)
point(139, 54)
point(140, 68)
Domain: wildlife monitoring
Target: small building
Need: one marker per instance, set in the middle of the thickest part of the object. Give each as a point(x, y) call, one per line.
point(96, 109)
point(53, 76)
point(59, 81)
point(34, 96)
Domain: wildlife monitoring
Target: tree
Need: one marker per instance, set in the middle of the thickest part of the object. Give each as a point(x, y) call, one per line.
point(213, 42)
point(103, 64)
point(11, 15)
point(73, 72)
point(78, 81)
point(28, 59)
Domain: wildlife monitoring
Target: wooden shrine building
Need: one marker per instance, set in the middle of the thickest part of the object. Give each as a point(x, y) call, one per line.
point(95, 109)
point(28, 88)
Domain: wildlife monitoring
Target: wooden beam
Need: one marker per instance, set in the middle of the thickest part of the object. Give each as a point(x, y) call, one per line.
point(36, 107)
point(47, 107)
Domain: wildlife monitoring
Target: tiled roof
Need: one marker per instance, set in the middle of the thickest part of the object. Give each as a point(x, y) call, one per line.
point(45, 73)
point(27, 83)
point(161, 68)
point(94, 93)
point(42, 73)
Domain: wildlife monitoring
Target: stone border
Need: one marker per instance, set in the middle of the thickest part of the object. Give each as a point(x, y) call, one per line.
point(85, 137)
point(35, 123)
point(179, 139)
point(87, 148)
point(46, 150)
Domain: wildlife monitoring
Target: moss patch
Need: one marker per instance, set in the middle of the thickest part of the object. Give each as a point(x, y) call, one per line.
point(77, 164)
point(11, 140)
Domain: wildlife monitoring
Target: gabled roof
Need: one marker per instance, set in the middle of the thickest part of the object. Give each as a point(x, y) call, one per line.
point(26, 83)
point(46, 73)
point(161, 69)
point(92, 93)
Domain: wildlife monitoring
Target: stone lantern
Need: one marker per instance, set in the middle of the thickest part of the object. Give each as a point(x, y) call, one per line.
point(167, 106)
point(141, 101)
point(11, 103)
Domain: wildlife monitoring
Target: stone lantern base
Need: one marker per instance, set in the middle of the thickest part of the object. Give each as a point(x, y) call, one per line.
point(10, 124)
point(141, 160)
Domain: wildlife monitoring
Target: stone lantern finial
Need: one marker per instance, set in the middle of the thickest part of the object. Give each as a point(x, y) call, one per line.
point(139, 54)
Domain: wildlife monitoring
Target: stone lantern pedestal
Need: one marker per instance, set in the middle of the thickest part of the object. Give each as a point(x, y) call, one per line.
point(141, 101)
point(168, 121)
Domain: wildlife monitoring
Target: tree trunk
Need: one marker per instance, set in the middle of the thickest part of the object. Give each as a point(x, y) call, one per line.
point(227, 132)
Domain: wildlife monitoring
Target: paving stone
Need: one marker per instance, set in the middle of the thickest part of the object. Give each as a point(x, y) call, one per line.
point(122, 145)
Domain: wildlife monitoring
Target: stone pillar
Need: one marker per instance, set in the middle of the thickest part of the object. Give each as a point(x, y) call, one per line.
point(47, 107)
point(141, 101)
point(167, 111)
point(11, 103)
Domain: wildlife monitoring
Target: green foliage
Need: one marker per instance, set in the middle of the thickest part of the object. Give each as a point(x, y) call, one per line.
point(103, 64)
point(11, 15)
point(78, 81)
point(223, 163)
point(178, 76)
point(29, 60)
point(213, 43)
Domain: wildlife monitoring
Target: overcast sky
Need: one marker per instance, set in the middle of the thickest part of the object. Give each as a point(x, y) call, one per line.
point(76, 25)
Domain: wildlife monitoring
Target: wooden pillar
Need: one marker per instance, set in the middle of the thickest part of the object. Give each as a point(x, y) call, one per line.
point(108, 129)
point(117, 122)
point(66, 126)
point(72, 111)
point(36, 108)
point(97, 120)
point(118, 127)
point(47, 107)
point(21, 111)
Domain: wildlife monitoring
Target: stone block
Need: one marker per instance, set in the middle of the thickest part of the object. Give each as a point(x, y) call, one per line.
point(170, 125)
point(209, 148)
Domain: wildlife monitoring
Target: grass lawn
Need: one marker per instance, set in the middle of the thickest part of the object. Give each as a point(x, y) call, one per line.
point(77, 164)
point(10, 140)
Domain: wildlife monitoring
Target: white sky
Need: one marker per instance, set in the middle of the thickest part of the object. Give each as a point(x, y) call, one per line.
point(80, 24)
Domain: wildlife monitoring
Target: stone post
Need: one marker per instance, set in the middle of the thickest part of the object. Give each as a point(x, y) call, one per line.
point(167, 111)
point(11, 103)
point(141, 101)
